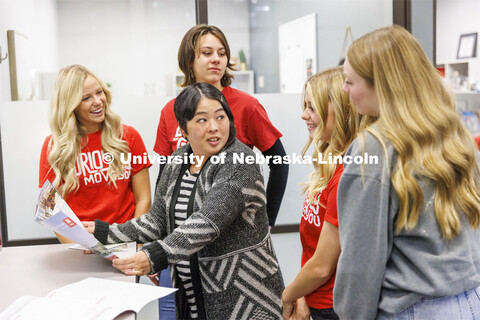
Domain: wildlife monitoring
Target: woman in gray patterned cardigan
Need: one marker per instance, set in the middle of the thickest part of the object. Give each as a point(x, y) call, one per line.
point(224, 238)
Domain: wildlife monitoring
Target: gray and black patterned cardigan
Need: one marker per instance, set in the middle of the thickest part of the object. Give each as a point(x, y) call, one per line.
point(235, 272)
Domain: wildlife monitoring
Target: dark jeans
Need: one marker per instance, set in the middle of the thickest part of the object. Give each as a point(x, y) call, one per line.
point(323, 314)
point(166, 305)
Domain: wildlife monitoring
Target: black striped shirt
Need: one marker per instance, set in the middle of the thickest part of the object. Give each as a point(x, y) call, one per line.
point(183, 267)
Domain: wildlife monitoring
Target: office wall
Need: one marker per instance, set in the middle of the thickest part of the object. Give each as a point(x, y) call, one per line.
point(134, 44)
point(284, 110)
point(37, 20)
point(422, 24)
point(231, 16)
point(453, 19)
point(21, 154)
point(332, 19)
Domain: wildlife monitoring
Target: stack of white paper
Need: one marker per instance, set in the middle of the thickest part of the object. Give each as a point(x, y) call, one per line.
point(91, 298)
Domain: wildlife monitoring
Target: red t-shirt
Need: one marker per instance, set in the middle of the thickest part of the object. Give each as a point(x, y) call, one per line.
point(313, 218)
point(96, 198)
point(251, 120)
point(477, 140)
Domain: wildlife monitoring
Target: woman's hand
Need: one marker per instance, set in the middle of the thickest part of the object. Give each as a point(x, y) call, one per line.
point(301, 311)
point(155, 278)
point(89, 226)
point(136, 265)
point(287, 309)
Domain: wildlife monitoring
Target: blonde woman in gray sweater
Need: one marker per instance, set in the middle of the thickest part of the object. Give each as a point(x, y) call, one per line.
point(408, 222)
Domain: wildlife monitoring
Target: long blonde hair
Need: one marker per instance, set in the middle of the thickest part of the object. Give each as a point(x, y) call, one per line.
point(68, 134)
point(417, 115)
point(324, 88)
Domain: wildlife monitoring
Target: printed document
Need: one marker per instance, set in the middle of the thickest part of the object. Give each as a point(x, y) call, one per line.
point(89, 299)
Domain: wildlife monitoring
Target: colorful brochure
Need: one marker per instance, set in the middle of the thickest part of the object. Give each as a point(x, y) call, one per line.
point(54, 213)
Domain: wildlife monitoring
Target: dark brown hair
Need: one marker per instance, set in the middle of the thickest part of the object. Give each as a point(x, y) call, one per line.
point(189, 49)
point(187, 102)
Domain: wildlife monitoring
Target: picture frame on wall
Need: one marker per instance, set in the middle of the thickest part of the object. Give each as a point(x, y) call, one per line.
point(467, 46)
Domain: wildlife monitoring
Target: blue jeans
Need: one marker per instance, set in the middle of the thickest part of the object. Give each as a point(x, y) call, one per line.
point(465, 305)
point(166, 305)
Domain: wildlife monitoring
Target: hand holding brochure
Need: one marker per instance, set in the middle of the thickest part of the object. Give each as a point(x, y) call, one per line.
point(53, 212)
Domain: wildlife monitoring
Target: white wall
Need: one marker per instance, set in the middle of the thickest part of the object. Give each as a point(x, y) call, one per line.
point(455, 17)
point(37, 20)
point(134, 44)
point(289, 253)
point(423, 28)
point(285, 110)
point(20, 165)
point(234, 26)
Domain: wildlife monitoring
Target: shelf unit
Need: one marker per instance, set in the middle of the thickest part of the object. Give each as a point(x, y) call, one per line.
point(463, 76)
point(243, 80)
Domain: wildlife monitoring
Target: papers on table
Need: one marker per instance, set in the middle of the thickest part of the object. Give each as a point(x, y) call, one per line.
point(91, 298)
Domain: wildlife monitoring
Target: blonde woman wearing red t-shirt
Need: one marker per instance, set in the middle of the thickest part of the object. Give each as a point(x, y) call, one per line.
point(75, 158)
point(332, 123)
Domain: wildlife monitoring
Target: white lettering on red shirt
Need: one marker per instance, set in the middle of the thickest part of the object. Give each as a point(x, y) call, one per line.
point(181, 141)
point(91, 167)
point(310, 212)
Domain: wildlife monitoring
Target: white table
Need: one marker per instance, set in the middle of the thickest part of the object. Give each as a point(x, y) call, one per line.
point(37, 270)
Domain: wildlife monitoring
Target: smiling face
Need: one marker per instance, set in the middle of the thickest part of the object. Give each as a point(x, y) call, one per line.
point(362, 94)
point(210, 61)
point(91, 111)
point(312, 119)
point(209, 129)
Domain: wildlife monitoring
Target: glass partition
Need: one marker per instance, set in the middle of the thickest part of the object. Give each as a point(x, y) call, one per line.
point(253, 26)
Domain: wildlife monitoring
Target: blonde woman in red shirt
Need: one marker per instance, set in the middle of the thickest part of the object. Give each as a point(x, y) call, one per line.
point(332, 124)
point(86, 135)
